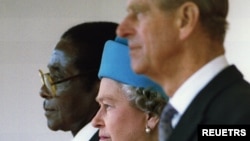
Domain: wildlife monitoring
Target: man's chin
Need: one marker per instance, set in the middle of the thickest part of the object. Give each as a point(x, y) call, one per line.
point(52, 126)
point(137, 68)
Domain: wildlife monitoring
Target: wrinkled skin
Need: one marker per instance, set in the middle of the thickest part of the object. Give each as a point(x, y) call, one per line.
point(118, 120)
point(74, 106)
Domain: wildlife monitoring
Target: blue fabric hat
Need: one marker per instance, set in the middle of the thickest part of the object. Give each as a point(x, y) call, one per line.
point(115, 65)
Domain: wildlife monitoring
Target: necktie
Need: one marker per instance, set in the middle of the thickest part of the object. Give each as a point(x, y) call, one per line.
point(165, 126)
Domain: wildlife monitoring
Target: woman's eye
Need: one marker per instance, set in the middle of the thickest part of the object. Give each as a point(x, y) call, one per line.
point(107, 106)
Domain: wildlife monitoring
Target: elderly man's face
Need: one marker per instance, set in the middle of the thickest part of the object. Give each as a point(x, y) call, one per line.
point(71, 108)
point(152, 34)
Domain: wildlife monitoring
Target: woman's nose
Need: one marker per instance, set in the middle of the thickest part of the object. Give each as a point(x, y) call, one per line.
point(97, 120)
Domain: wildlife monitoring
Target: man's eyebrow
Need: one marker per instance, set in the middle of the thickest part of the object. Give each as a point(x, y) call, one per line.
point(53, 66)
point(137, 7)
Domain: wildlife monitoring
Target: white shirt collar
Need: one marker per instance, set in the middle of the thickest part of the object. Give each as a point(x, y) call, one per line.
point(85, 133)
point(193, 85)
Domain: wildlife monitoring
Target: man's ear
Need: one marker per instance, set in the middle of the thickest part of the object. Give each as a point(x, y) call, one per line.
point(187, 18)
point(152, 121)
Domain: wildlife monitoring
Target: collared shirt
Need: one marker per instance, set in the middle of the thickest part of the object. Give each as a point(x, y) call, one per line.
point(194, 84)
point(85, 133)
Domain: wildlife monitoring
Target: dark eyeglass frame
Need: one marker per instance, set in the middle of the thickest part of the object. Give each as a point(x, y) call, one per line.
point(50, 84)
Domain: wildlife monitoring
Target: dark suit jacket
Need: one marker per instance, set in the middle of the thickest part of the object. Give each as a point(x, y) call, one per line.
point(95, 137)
point(225, 100)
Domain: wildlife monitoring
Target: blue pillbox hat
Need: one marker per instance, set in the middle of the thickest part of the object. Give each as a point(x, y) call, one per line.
point(115, 65)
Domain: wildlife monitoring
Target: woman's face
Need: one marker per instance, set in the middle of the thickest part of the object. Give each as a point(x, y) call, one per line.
point(116, 118)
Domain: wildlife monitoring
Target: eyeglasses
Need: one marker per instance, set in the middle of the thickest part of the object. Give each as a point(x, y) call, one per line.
point(50, 84)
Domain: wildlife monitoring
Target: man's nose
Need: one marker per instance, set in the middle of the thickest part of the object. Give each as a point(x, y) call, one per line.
point(125, 28)
point(44, 93)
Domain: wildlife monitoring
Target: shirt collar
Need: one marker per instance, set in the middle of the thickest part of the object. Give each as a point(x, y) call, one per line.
point(193, 85)
point(85, 133)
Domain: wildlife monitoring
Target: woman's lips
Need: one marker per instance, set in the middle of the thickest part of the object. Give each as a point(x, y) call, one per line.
point(104, 138)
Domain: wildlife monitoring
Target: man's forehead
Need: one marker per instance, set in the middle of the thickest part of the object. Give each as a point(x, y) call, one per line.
point(137, 5)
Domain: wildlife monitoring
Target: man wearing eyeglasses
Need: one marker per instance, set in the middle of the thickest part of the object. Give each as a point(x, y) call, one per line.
point(71, 85)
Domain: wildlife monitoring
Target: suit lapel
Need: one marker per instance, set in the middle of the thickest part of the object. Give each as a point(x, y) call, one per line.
point(95, 137)
point(194, 114)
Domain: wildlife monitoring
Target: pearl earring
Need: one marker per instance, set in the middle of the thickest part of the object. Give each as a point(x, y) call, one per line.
point(147, 130)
